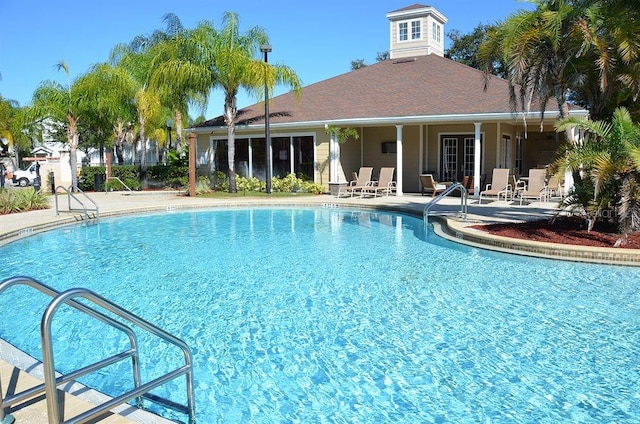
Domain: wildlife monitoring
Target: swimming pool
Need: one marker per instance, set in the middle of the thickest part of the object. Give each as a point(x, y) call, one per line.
point(298, 315)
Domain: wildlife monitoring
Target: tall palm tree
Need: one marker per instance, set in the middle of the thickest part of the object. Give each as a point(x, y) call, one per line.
point(136, 60)
point(229, 60)
point(180, 73)
point(609, 156)
point(65, 104)
point(539, 47)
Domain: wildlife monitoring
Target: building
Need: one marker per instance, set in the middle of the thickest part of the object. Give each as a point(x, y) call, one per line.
point(417, 111)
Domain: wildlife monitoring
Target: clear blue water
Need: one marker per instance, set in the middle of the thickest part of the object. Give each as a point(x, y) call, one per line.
point(329, 315)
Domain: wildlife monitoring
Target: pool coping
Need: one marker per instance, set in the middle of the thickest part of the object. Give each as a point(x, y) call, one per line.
point(458, 232)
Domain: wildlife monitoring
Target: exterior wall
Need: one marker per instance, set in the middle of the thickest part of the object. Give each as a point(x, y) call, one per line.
point(433, 149)
point(322, 159)
point(540, 149)
point(204, 153)
point(372, 155)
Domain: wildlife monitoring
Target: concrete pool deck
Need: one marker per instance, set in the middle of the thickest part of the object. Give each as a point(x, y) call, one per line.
point(444, 215)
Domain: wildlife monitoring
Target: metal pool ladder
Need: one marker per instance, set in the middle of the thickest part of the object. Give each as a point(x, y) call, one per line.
point(83, 208)
point(452, 187)
point(140, 390)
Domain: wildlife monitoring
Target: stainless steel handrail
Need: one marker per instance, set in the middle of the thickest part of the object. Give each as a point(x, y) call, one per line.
point(51, 382)
point(70, 196)
point(452, 187)
point(117, 179)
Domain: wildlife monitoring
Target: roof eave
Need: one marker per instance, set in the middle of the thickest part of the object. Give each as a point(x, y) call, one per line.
point(397, 120)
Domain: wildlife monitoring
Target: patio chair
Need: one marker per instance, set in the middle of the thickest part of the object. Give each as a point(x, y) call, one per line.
point(385, 184)
point(554, 186)
point(536, 187)
point(364, 180)
point(517, 186)
point(468, 183)
point(429, 185)
point(499, 185)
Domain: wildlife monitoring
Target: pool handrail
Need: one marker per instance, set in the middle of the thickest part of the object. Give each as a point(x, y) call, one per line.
point(452, 187)
point(84, 209)
point(51, 382)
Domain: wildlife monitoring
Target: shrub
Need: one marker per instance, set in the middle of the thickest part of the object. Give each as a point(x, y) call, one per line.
point(288, 184)
point(203, 185)
point(219, 181)
point(12, 201)
point(169, 175)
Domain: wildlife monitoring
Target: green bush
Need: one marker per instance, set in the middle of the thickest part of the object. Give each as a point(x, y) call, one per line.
point(175, 176)
point(203, 185)
point(219, 181)
point(288, 184)
point(22, 200)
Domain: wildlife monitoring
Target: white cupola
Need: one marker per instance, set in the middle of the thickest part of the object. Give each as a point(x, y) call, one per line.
point(416, 30)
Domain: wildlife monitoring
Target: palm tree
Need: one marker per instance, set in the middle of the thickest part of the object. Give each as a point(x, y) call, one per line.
point(7, 112)
point(611, 48)
point(15, 125)
point(110, 90)
point(66, 105)
point(180, 73)
point(135, 59)
point(538, 48)
point(227, 60)
point(609, 159)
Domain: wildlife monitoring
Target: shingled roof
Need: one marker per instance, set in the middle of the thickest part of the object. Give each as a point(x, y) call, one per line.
point(420, 87)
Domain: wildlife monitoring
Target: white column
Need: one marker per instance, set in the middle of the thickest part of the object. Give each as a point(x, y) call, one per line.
point(333, 159)
point(476, 162)
point(250, 158)
point(421, 151)
point(399, 160)
point(291, 156)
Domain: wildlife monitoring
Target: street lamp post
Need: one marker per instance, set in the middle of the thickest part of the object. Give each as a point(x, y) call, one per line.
point(266, 48)
point(169, 125)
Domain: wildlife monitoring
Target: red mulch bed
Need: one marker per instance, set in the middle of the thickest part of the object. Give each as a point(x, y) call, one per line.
point(564, 230)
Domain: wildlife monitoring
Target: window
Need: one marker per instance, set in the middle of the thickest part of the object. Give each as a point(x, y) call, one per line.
point(519, 149)
point(403, 31)
point(436, 33)
point(415, 30)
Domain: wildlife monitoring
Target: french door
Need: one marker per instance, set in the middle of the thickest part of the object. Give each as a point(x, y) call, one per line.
point(458, 155)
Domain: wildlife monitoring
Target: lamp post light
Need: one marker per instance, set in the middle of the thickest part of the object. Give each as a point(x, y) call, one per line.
point(266, 48)
point(169, 125)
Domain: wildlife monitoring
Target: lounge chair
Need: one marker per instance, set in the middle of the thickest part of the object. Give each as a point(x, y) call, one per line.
point(385, 184)
point(499, 186)
point(364, 180)
point(429, 185)
point(536, 187)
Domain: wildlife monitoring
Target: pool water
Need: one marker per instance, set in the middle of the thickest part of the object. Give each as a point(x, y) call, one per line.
point(333, 315)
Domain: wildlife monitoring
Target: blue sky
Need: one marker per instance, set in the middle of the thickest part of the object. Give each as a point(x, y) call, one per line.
point(317, 39)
